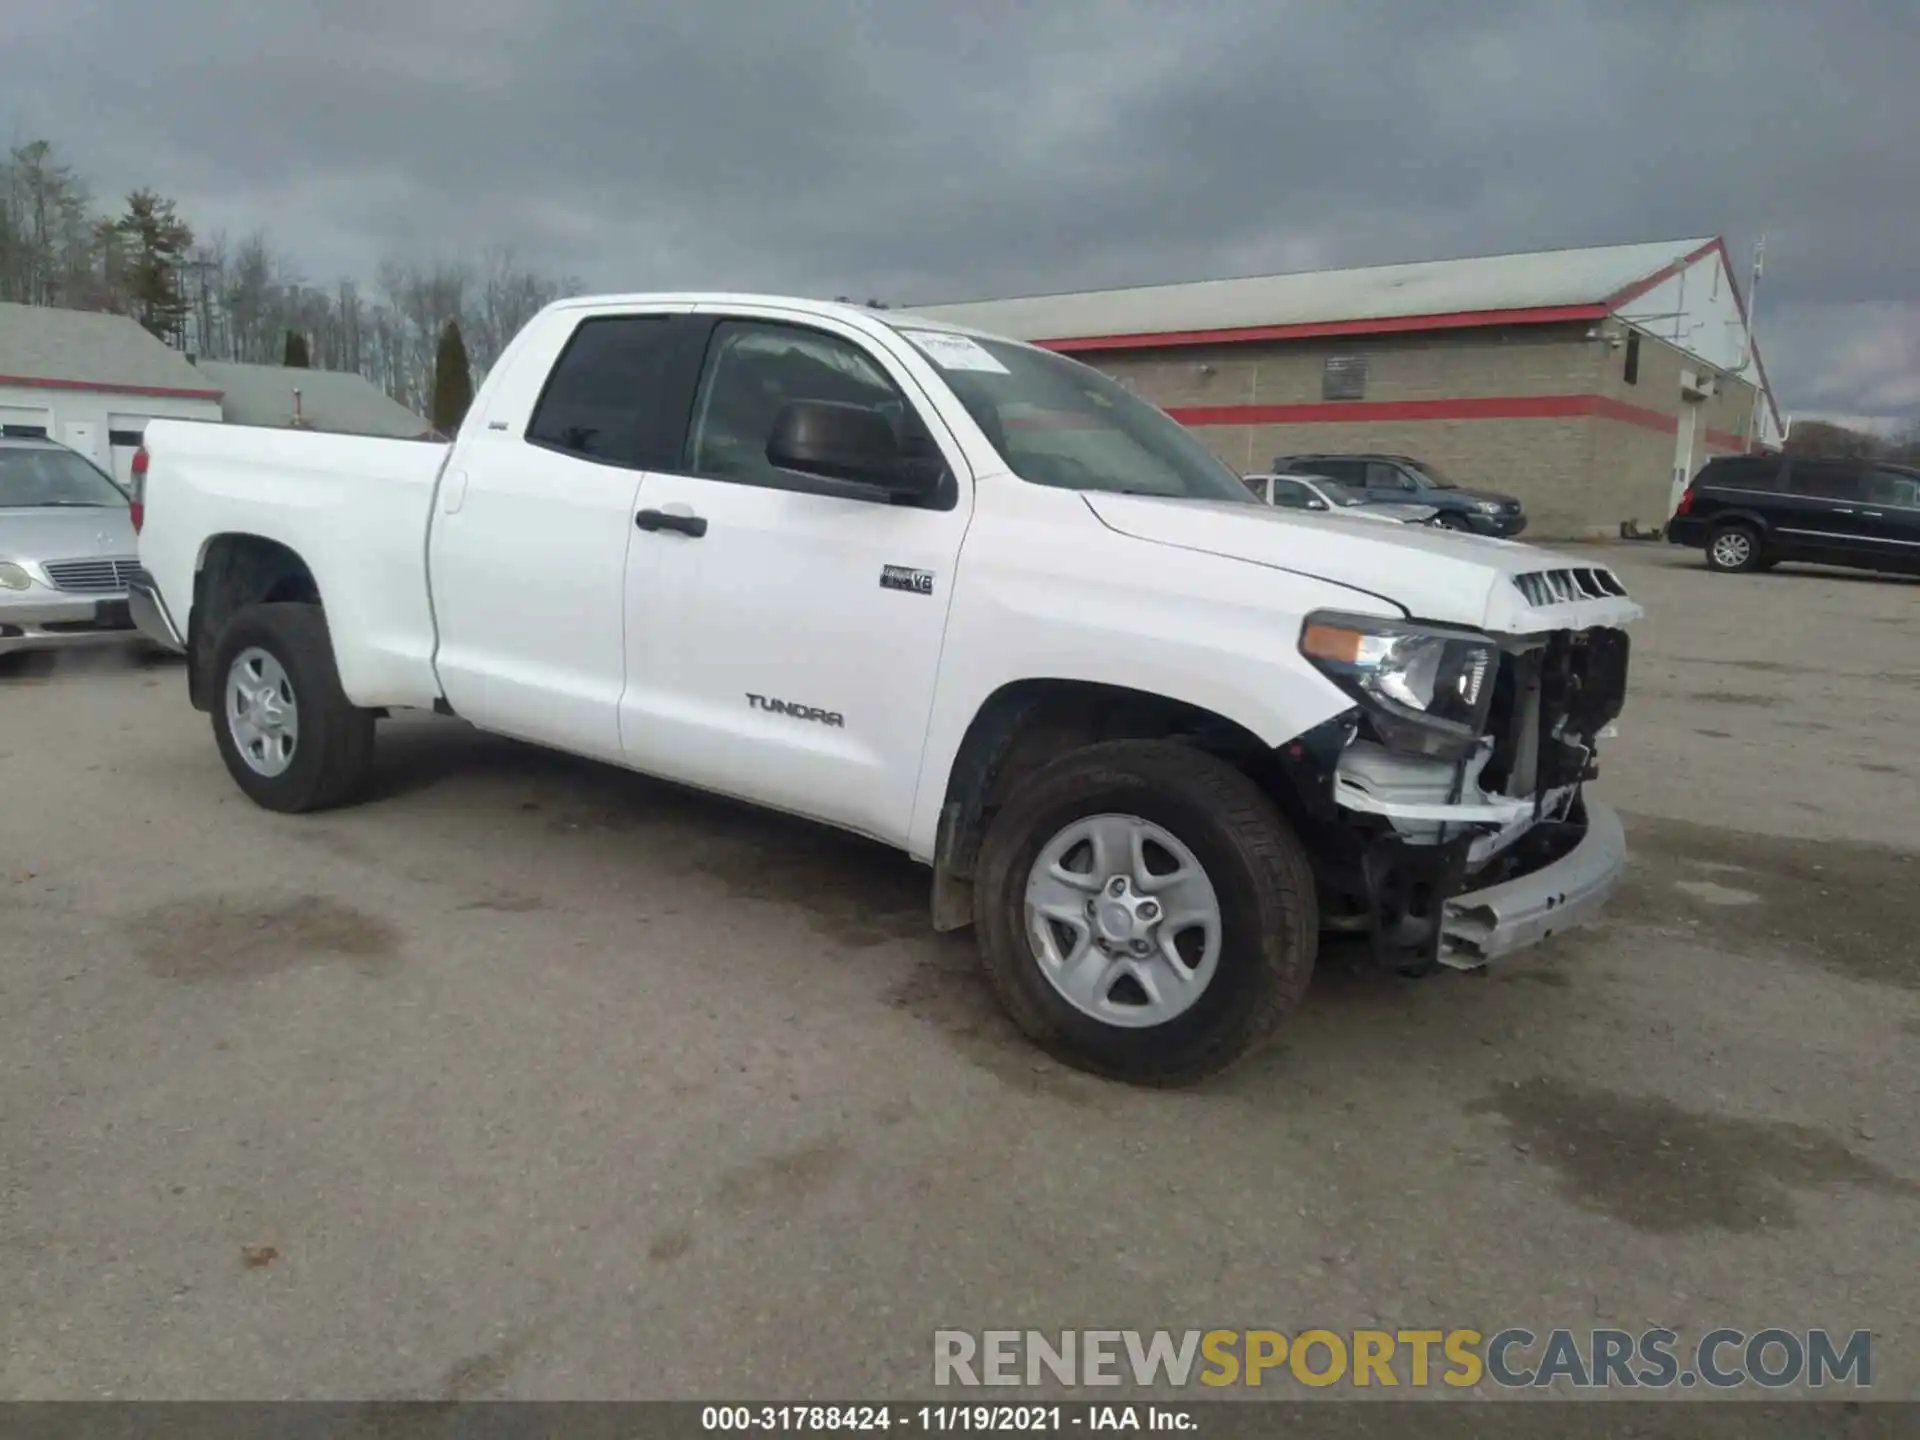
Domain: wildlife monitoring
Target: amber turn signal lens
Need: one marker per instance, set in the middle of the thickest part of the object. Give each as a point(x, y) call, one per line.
point(1330, 642)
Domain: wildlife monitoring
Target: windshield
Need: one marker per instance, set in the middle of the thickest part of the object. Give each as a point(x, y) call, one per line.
point(1438, 480)
point(31, 477)
point(1058, 422)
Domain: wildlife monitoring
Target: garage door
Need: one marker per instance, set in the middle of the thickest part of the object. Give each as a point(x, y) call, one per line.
point(25, 421)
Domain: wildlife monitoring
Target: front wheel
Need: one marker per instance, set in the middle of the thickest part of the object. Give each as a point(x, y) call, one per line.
point(1144, 912)
point(288, 734)
point(1447, 520)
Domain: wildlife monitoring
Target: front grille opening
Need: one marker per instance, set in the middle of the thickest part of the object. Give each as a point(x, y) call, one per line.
point(90, 577)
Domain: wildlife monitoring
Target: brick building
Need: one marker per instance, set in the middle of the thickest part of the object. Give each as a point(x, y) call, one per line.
point(1590, 383)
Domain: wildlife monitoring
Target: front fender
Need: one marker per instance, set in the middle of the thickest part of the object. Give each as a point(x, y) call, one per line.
point(1106, 609)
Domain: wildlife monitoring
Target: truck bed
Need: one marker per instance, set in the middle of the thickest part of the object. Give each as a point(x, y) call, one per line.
point(354, 508)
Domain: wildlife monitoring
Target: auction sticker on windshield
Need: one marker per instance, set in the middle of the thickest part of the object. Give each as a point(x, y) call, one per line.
point(955, 352)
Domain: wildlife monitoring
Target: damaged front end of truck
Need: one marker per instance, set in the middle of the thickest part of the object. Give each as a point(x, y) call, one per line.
point(1450, 821)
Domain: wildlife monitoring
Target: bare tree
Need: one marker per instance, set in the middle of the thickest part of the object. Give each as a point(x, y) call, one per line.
point(238, 300)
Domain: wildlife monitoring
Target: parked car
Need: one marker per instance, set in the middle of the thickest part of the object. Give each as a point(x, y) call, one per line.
point(958, 594)
point(1750, 512)
point(1317, 492)
point(67, 550)
point(1384, 478)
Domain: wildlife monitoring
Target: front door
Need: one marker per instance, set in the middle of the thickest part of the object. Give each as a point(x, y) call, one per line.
point(1390, 483)
point(784, 632)
point(528, 553)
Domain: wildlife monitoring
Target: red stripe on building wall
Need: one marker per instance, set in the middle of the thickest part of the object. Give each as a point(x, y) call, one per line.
point(1608, 408)
point(1478, 407)
point(1391, 325)
point(101, 388)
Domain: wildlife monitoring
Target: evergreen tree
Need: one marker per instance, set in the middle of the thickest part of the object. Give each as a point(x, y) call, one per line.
point(157, 241)
point(452, 381)
point(295, 357)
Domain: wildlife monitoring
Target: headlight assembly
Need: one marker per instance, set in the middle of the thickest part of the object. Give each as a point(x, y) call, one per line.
point(13, 577)
point(1426, 689)
point(1487, 507)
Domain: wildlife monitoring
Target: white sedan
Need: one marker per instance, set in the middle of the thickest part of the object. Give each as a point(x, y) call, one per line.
point(1317, 492)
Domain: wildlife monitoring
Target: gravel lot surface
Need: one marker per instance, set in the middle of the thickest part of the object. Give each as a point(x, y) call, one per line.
point(529, 1077)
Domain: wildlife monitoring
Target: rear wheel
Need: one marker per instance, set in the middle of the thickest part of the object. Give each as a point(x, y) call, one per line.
point(1733, 548)
point(288, 734)
point(1144, 912)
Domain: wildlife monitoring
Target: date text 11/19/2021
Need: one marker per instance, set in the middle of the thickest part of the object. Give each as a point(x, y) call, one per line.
point(944, 1419)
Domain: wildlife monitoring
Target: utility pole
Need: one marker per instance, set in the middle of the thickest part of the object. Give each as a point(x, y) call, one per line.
point(1752, 346)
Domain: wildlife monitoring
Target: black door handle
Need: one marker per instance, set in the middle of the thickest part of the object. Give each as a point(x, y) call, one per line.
point(694, 525)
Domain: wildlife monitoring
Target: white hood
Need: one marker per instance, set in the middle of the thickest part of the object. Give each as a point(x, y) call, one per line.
point(1443, 576)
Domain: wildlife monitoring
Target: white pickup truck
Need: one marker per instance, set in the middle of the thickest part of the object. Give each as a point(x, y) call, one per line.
point(962, 595)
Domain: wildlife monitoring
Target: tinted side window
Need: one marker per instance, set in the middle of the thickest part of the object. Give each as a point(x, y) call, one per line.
point(754, 370)
point(1290, 493)
point(1825, 479)
point(1348, 472)
point(1381, 476)
point(1755, 473)
point(1894, 487)
point(602, 401)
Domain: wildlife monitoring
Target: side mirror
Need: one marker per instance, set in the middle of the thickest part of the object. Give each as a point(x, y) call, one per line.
point(841, 441)
point(1316, 505)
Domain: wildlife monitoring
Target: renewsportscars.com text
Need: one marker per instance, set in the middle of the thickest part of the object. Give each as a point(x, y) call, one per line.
point(1513, 1358)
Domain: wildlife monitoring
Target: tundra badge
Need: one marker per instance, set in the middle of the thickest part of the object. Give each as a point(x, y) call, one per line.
point(799, 712)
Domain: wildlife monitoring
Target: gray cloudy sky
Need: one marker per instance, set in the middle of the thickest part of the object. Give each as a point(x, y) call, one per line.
point(983, 147)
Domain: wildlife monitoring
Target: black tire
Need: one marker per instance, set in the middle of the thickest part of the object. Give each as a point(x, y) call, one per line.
point(1447, 520)
point(1726, 553)
point(1269, 919)
point(333, 750)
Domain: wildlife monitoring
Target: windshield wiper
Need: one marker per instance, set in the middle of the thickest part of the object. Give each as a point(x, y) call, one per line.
point(70, 505)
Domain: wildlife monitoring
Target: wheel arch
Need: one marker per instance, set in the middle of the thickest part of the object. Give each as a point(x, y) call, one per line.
point(1027, 723)
point(233, 570)
point(1742, 516)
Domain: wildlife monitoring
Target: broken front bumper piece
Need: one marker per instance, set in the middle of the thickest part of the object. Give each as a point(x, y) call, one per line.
point(1482, 925)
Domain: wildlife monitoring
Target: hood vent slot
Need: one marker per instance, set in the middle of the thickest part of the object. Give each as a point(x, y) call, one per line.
point(1568, 586)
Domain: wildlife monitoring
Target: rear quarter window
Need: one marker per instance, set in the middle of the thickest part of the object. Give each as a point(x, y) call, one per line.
point(1755, 473)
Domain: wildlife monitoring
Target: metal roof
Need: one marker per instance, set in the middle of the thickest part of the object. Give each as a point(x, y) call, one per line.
point(85, 349)
point(1492, 284)
point(336, 401)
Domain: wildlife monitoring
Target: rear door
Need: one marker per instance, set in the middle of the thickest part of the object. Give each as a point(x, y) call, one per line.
point(528, 554)
point(783, 631)
point(1890, 517)
point(1351, 473)
point(1818, 509)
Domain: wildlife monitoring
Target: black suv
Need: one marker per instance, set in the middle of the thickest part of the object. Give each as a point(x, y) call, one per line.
point(1399, 478)
point(1749, 512)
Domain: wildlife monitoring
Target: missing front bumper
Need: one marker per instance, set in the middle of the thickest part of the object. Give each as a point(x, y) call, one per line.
point(1482, 925)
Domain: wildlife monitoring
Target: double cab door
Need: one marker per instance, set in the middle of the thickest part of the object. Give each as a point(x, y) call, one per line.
point(1848, 512)
point(626, 575)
